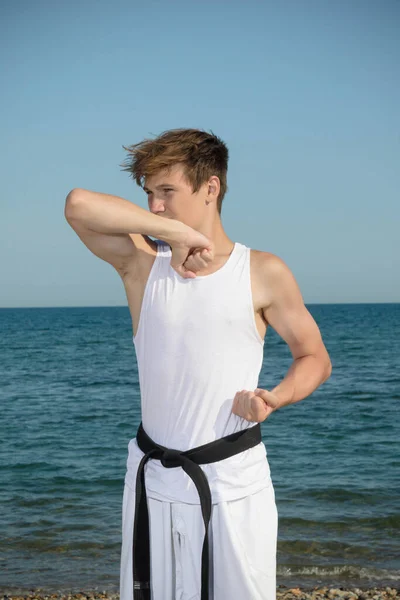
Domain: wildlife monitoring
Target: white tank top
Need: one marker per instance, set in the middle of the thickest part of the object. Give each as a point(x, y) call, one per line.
point(197, 344)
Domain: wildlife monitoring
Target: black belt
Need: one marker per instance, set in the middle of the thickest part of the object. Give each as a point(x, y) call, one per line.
point(189, 461)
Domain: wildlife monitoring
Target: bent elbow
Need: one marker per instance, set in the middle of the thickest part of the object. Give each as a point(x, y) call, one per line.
point(72, 201)
point(328, 371)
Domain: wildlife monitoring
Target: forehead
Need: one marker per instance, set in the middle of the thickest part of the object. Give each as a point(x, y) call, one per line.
point(174, 174)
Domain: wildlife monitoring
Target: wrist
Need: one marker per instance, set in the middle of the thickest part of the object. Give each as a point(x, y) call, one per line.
point(174, 232)
point(281, 399)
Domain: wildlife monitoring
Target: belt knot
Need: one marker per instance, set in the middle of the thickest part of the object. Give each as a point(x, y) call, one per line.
point(172, 458)
point(190, 461)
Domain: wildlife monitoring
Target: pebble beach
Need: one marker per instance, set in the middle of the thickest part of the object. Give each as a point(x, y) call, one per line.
point(283, 593)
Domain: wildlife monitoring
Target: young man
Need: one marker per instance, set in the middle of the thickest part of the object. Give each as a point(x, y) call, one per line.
point(198, 523)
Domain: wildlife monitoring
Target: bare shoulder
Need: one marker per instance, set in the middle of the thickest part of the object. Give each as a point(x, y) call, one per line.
point(269, 265)
point(267, 261)
point(274, 278)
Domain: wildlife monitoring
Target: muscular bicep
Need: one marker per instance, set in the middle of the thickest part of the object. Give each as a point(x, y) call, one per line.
point(287, 313)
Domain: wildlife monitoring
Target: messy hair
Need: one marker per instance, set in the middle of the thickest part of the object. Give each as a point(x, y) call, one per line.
point(202, 155)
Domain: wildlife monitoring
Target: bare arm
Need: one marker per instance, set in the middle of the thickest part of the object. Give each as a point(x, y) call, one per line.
point(114, 229)
point(290, 318)
point(286, 313)
point(109, 214)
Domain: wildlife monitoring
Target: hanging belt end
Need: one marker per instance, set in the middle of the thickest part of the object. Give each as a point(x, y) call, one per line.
point(141, 590)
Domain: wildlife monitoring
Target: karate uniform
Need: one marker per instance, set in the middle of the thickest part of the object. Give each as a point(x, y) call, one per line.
point(197, 345)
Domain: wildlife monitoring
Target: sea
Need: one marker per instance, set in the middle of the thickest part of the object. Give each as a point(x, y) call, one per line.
point(70, 403)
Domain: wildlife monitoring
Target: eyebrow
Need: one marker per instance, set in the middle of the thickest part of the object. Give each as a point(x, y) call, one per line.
point(158, 187)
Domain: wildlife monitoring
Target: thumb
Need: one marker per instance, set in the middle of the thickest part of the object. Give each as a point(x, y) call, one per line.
point(269, 398)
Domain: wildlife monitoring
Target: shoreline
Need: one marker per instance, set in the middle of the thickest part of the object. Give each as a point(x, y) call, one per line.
point(282, 593)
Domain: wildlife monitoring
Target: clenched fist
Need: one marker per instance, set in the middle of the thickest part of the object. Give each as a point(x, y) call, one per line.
point(191, 251)
point(254, 406)
point(198, 260)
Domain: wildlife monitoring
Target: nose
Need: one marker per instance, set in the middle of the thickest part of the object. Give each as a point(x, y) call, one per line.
point(156, 206)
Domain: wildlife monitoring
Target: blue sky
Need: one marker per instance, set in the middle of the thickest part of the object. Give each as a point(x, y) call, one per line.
point(306, 94)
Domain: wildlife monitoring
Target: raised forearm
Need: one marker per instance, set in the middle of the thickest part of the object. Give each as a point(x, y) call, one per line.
point(304, 376)
point(112, 214)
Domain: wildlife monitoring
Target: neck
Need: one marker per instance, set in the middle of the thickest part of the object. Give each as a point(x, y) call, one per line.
point(215, 232)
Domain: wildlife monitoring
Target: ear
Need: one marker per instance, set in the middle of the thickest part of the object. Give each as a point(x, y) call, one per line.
point(214, 185)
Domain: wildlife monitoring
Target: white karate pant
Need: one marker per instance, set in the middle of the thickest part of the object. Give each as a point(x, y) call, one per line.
point(242, 537)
